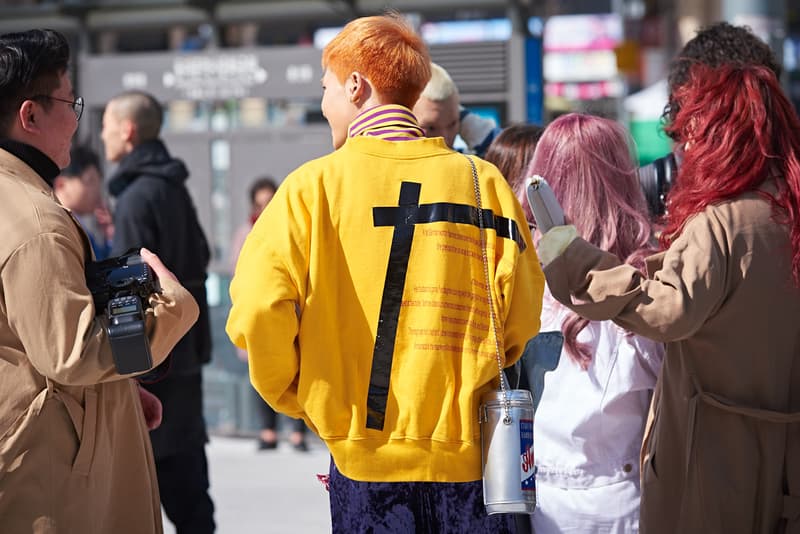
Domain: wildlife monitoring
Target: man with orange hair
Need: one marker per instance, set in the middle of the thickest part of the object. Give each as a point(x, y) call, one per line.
point(361, 298)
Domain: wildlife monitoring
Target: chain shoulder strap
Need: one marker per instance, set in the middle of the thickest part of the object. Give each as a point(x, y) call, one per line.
point(492, 316)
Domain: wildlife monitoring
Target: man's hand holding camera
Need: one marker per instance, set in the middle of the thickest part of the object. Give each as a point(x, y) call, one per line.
point(146, 309)
point(159, 269)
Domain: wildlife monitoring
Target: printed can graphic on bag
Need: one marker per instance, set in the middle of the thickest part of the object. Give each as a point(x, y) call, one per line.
point(526, 466)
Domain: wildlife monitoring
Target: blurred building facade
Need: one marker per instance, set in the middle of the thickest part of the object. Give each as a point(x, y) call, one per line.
point(240, 85)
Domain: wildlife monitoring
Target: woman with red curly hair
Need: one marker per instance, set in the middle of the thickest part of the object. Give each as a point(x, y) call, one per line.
point(722, 449)
point(361, 300)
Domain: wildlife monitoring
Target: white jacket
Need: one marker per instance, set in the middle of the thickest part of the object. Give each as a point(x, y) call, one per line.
point(588, 429)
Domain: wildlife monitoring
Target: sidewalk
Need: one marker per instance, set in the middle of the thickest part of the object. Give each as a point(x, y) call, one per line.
point(267, 492)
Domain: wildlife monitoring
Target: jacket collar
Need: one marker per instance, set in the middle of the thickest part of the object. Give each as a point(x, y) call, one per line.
point(34, 158)
point(12, 165)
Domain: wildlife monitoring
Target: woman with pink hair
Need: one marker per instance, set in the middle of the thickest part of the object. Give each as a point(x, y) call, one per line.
point(590, 420)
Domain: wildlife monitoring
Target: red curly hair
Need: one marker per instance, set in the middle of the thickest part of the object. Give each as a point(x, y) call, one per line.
point(741, 131)
point(386, 50)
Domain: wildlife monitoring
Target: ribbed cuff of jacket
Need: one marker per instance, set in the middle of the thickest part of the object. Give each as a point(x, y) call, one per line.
point(555, 242)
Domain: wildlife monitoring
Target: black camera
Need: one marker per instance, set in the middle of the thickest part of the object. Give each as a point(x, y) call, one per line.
point(656, 180)
point(121, 288)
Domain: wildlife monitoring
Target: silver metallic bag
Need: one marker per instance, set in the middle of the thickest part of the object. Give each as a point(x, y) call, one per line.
point(509, 475)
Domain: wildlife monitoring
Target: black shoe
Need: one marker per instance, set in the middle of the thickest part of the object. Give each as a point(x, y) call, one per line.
point(300, 446)
point(266, 445)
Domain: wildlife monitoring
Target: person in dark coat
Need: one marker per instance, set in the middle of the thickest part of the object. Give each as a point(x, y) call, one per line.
point(154, 210)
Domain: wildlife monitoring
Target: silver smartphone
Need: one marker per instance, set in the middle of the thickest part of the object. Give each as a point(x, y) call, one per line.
point(546, 209)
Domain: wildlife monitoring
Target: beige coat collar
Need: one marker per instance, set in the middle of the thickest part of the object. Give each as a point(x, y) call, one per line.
point(12, 166)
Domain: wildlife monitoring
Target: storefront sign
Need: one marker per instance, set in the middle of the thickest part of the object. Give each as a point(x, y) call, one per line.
point(277, 72)
point(202, 77)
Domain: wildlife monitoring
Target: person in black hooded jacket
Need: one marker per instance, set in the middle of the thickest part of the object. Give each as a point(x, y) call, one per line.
point(154, 210)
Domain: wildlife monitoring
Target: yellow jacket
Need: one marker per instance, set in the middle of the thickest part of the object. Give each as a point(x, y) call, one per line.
point(360, 299)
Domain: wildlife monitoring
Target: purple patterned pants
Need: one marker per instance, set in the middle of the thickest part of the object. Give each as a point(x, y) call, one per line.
point(411, 507)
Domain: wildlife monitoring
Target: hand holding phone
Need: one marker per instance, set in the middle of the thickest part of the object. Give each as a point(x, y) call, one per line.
point(546, 209)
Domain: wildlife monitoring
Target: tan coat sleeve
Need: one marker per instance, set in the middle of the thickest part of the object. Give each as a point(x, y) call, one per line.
point(684, 291)
point(175, 311)
point(50, 310)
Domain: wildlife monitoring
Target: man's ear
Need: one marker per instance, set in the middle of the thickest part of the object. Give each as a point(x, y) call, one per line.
point(357, 87)
point(128, 129)
point(27, 117)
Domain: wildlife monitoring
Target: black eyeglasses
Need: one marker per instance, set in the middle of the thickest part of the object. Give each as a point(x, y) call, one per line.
point(77, 104)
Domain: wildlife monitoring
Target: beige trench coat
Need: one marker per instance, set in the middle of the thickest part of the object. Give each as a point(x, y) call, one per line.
point(722, 447)
point(75, 453)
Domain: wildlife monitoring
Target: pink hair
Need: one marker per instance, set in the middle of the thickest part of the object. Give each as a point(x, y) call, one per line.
point(588, 161)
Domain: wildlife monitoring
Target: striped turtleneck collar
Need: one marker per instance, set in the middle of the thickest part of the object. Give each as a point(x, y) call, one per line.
point(391, 122)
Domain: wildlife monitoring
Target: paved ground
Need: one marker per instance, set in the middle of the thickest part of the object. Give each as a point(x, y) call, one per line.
point(269, 492)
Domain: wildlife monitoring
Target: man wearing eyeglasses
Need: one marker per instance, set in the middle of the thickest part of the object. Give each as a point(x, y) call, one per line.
point(74, 450)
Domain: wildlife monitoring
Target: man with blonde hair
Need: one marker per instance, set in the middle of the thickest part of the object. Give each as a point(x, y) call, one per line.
point(367, 314)
point(440, 114)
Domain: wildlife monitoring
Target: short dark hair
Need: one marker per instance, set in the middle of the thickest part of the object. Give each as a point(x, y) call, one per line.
point(715, 45)
point(31, 63)
point(264, 182)
point(143, 109)
point(80, 159)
